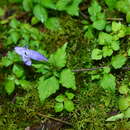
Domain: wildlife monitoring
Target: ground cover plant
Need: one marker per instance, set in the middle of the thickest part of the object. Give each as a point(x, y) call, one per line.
point(64, 64)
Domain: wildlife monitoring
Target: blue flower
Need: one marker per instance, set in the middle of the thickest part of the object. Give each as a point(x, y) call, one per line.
point(28, 54)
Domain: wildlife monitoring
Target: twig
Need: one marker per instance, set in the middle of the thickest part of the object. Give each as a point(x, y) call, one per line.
point(97, 68)
point(115, 19)
point(84, 15)
point(56, 119)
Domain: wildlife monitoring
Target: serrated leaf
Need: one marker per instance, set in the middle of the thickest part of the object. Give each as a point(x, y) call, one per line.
point(59, 107)
point(107, 51)
point(60, 98)
point(118, 61)
point(69, 105)
point(94, 8)
point(96, 54)
point(108, 82)
point(15, 36)
point(116, 26)
point(67, 79)
point(99, 24)
point(10, 86)
point(111, 3)
point(73, 9)
point(69, 95)
point(48, 4)
point(58, 59)
point(115, 45)
point(18, 71)
point(14, 23)
point(127, 113)
point(124, 103)
point(61, 4)
point(123, 89)
point(40, 13)
point(53, 23)
point(27, 5)
point(116, 117)
point(47, 87)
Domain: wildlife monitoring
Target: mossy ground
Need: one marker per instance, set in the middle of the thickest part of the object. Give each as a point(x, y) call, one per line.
point(22, 109)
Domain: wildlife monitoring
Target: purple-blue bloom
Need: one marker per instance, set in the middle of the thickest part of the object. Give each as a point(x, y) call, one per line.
point(28, 54)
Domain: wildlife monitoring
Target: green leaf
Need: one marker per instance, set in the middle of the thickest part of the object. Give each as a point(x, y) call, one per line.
point(18, 71)
point(73, 9)
point(27, 5)
point(26, 85)
point(104, 38)
point(99, 24)
point(40, 13)
point(107, 51)
point(108, 82)
point(94, 8)
point(58, 107)
point(111, 3)
point(116, 26)
point(116, 117)
point(61, 4)
point(60, 98)
point(2, 12)
point(10, 86)
point(47, 87)
point(124, 103)
point(15, 36)
point(127, 113)
point(118, 61)
point(128, 17)
point(48, 4)
point(123, 89)
point(14, 23)
point(128, 52)
point(69, 105)
point(67, 79)
point(69, 95)
point(115, 45)
point(96, 54)
point(58, 59)
point(53, 23)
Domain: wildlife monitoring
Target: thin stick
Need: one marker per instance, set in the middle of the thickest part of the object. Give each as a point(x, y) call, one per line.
point(115, 19)
point(97, 68)
point(56, 119)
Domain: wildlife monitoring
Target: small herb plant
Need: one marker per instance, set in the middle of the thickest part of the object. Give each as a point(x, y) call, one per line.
point(49, 75)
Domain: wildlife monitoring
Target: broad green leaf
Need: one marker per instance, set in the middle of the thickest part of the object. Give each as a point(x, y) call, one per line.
point(111, 3)
point(59, 107)
point(34, 20)
point(123, 89)
point(47, 87)
point(124, 103)
point(128, 17)
point(48, 4)
point(115, 45)
point(69, 105)
point(15, 36)
point(26, 85)
point(40, 13)
point(127, 113)
point(69, 95)
point(108, 82)
point(99, 24)
point(61, 4)
point(107, 51)
point(27, 5)
point(94, 8)
point(58, 59)
point(60, 98)
point(118, 61)
point(2, 12)
point(96, 54)
point(53, 23)
point(116, 117)
point(9, 86)
point(73, 9)
point(116, 26)
point(18, 71)
point(128, 52)
point(104, 38)
point(14, 23)
point(67, 79)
